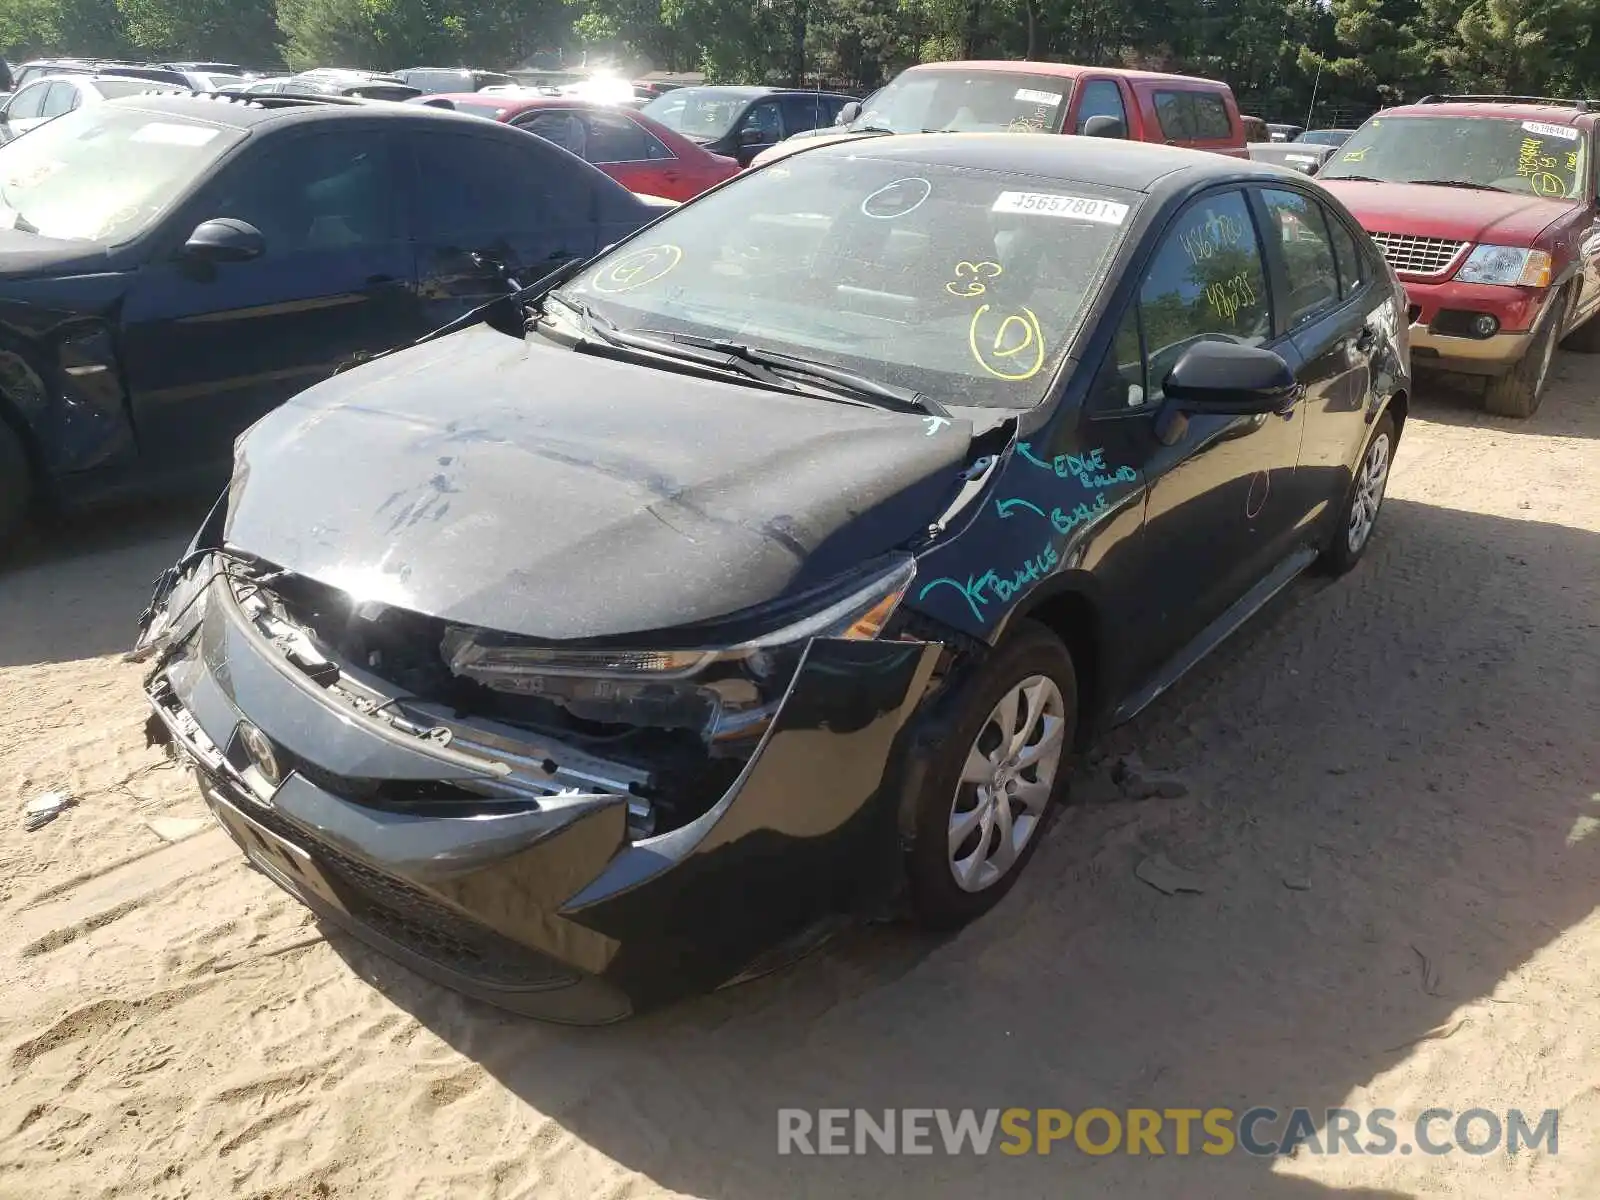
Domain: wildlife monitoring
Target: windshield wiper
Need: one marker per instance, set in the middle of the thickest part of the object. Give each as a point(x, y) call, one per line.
point(885, 394)
point(606, 332)
point(1458, 183)
point(1352, 178)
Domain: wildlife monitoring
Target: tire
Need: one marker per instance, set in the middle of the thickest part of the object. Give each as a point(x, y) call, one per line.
point(1031, 660)
point(1518, 392)
point(16, 484)
point(1367, 490)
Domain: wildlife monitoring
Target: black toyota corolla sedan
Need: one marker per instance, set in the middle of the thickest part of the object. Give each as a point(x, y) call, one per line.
point(770, 567)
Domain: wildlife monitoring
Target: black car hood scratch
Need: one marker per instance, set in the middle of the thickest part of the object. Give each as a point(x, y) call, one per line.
point(525, 488)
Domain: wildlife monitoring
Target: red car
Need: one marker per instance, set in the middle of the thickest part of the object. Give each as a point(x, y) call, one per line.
point(1486, 209)
point(640, 154)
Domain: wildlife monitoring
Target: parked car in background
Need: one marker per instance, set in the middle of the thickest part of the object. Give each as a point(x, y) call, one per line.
point(1297, 156)
point(783, 569)
point(211, 68)
point(1486, 208)
point(1284, 133)
point(741, 122)
point(154, 73)
point(173, 266)
point(641, 154)
point(1042, 97)
point(46, 97)
point(202, 81)
point(1324, 137)
point(365, 85)
point(1255, 129)
point(432, 81)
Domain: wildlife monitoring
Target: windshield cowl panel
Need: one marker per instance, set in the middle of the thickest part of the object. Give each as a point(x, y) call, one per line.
point(1541, 159)
point(965, 286)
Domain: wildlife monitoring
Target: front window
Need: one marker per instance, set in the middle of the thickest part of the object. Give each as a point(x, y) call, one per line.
point(103, 173)
point(1499, 154)
point(946, 101)
point(700, 113)
point(965, 285)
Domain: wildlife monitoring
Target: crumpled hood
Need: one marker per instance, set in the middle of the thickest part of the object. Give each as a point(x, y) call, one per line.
point(1460, 214)
point(28, 256)
point(523, 487)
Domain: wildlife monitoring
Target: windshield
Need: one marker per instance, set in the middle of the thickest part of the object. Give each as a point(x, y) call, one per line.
point(965, 285)
point(968, 102)
point(103, 173)
point(703, 113)
point(1499, 153)
point(1325, 137)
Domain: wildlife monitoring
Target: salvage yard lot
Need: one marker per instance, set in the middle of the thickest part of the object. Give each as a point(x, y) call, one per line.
point(1393, 809)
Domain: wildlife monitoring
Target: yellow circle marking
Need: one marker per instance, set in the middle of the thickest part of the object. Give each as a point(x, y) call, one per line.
point(1546, 184)
point(637, 269)
point(1018, 340)
point(974, 273)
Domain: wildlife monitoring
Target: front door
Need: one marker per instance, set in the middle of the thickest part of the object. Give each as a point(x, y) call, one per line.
point(209, 348)
point(1219, 508)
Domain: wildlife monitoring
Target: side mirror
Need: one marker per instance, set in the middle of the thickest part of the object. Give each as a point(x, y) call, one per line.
point(1227, 379)
point(751, 136)
point(848, 113)
point(1104, 126)
point(223, 240)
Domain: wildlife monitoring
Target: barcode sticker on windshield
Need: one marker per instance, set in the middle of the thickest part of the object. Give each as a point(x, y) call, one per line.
point(1077, 208)
point(166, 134)
point(1565, 132)
point(1029, 96)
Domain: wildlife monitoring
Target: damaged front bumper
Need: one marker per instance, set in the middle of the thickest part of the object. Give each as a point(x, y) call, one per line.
point(519, 870)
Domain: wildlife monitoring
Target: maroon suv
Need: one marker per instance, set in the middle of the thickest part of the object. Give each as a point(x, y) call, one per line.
point(1485, 207)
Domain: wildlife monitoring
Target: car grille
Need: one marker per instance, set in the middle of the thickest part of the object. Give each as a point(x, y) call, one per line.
point(404, 913)
point(1411, 255)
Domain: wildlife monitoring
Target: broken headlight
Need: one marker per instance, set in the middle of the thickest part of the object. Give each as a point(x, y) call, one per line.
point(725, 692)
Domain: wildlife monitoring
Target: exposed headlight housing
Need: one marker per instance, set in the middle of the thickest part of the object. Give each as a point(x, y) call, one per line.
point(1512, 266)
point(724, 692)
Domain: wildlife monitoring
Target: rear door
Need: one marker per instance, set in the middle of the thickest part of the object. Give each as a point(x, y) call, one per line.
point(493, 206)
point(760, 127)
point(209, 348)
point(1333, 307)
point(1218, 509)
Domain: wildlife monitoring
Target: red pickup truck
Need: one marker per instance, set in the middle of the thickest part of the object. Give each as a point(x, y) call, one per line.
point(1041, 97)
point(1485, 206)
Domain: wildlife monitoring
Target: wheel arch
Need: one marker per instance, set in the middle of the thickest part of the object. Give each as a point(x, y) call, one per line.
point(1075, 617)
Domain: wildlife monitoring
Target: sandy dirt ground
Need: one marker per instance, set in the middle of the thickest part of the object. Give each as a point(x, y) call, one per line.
point(1393, 811)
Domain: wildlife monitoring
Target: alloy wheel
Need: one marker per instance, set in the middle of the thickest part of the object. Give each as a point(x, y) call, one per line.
point(1371, 482)
point(1006, 783)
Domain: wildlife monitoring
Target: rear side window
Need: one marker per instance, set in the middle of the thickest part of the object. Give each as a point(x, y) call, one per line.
point(471, 190)
point(1101, 98)
point(1207, 282)
point(615, 139)
point(1353, 269)
point(1188, 116)
point(29, 102)
point(63, 98)
point(1307, 254)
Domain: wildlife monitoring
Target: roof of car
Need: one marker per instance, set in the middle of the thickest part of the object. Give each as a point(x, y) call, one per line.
point(240, 111)
point(1060, 70)
point(1550, 114)
point(753, 91)
point(1134, 166)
